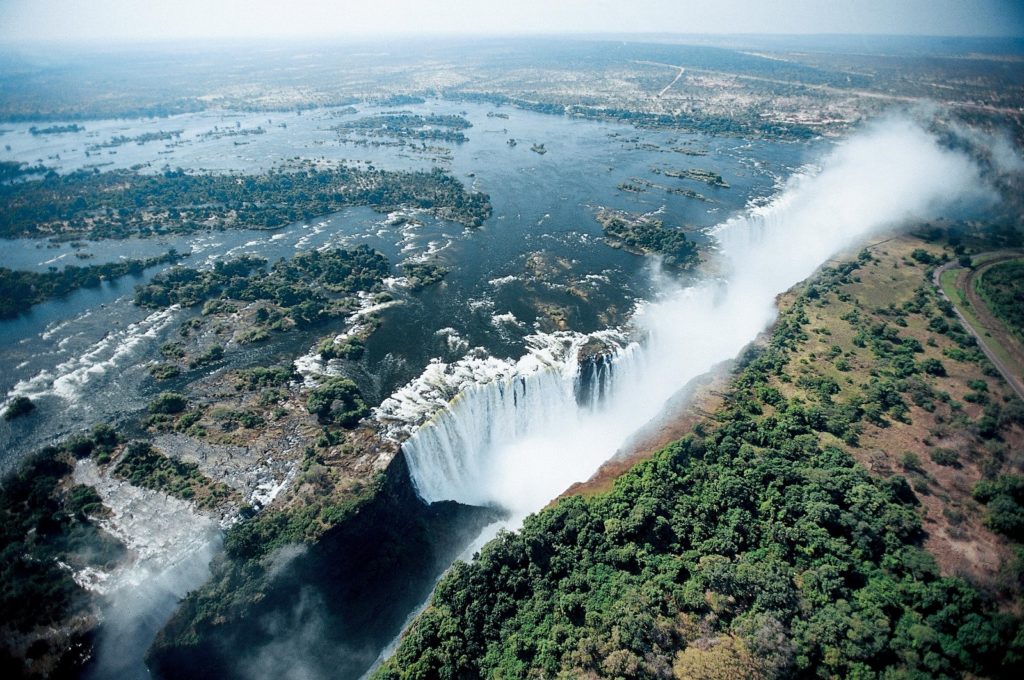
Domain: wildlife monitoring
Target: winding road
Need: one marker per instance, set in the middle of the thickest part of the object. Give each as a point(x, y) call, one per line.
point(989, 323)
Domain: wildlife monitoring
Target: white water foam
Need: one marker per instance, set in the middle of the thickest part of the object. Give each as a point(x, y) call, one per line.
point(454, 341)
point(515, 434)
point(311, 366)
point(56, 327)
point(69, 379)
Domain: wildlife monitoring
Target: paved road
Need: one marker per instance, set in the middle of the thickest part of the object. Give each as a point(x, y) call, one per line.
point(1008, 373)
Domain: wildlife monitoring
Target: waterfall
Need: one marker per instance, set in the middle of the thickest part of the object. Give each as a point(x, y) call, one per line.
point(594, 380)
point(448, 458)
point(517, 433)
point(474, 409)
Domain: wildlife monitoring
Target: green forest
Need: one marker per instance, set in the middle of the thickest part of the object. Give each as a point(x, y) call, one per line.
point(651, 236)
point(122, 203)
point(308, 288)
point(408, 126)
point(1002, 286)
point(45, 521)
point(755, 547)
point(20, 290)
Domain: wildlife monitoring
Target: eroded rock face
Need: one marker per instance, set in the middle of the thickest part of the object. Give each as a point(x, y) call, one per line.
point(159, 531)
point(326, 609)
point(595, 359)
point(259, 472)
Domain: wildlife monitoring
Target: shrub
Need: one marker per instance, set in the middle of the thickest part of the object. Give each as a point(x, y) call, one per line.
point(168, 402)
point(164, 371)
point(1004, 497)
point(910, 461)
point(214, 353)
point(20, 406)
point(337, 401)
point(946, 457)
point(933, 367)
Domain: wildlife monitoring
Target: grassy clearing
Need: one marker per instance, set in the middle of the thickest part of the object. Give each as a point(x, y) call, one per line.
point(936, 443)
point(954, 284)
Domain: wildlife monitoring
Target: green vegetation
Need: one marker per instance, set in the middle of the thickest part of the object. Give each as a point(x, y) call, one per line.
point(408, 126)
point(309, 288)
point(262, 534)
point(45, 522)
point(945, 457)
point(252, 335)
point(165, 371)
point(56, 129)
point(169, 411)
point(639, 185)
point(11, 170)
point(41, 526)
point(735, 124)
point(1004, 498)
point(642, 234)
point(754, 536)
point(759, 548)
point(20, 290)
point(423, 274)
point(142, 465)
point(1002, 287)
point(399, 100)
point(172, 350)
point(188, 287)
point(337, 401)
point(265, 376)
point(99, 443)
point(140, 139)
point(350, 348)
point(19, 406)
point(212, 354)
point(168, 403)
point(123, 203)
point(696, 174)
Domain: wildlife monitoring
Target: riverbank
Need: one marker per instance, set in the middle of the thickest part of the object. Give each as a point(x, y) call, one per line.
point(890, 285)
point(848, 479)
point(691, 406)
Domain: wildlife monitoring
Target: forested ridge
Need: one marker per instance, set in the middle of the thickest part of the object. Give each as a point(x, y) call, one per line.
point(122, 203)
point(1002, 286)
point(48, 527)
point(759, 546)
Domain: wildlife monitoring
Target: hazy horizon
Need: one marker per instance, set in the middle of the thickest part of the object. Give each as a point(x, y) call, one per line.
point(122, 21)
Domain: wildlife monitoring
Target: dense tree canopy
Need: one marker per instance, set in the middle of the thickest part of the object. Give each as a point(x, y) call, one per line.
point(754, 548)
point(122, 203)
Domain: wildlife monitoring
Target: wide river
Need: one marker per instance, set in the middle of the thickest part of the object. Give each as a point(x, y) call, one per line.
point(84, 359)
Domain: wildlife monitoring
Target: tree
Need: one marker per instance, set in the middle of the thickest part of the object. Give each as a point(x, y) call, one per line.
point(723, 658)
point(337, 401)
point(168, 402)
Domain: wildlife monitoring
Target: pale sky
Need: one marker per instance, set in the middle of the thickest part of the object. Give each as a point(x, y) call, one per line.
point(148, 20)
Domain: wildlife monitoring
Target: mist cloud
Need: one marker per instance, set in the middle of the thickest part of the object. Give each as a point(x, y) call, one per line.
point(135, 612)
point(519, 442)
